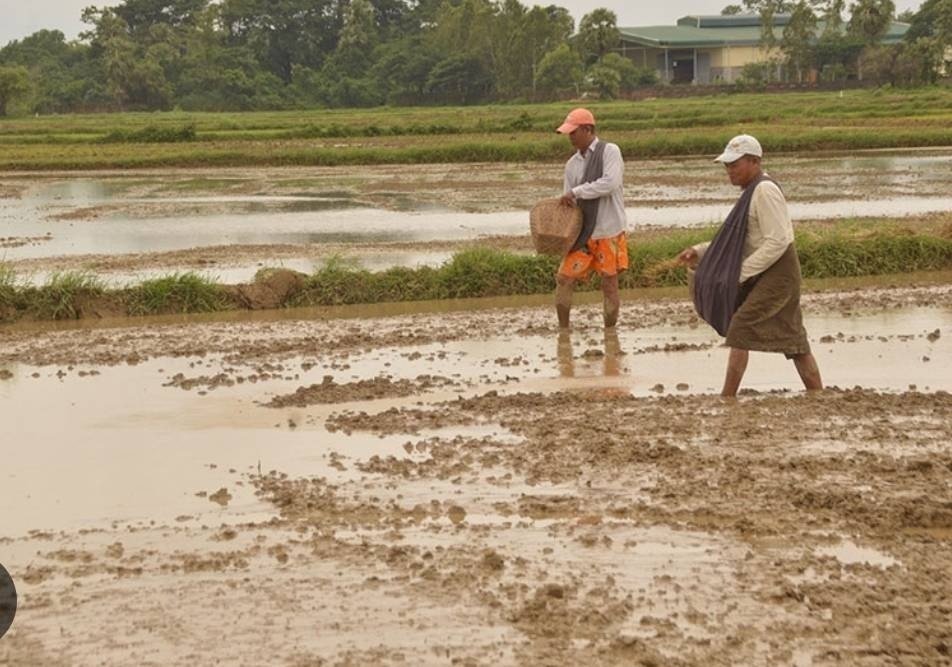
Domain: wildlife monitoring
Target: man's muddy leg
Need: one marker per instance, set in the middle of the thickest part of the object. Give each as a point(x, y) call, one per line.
point(563, 299)
point(612, 300)
point(809, 371)
point(736, 366)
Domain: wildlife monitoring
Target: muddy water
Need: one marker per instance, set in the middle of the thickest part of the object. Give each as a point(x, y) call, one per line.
point(374, 226)
point(56, 216)
point(129, 440)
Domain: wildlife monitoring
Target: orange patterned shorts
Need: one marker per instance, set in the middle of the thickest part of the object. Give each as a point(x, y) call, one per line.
point(607, 256)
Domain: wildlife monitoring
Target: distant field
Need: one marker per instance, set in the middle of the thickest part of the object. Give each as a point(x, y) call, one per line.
point(803, 122)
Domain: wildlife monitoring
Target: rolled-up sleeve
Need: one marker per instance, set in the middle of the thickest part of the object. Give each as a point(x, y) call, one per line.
point(769, 208)
point(612, 176)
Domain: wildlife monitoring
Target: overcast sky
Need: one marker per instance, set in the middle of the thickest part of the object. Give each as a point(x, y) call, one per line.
point(24, 17)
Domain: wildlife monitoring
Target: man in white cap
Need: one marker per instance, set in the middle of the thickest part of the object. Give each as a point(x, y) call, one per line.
point(747, 282)
point(593, 182)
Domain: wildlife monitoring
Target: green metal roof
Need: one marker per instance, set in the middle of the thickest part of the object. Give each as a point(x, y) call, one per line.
point(685, 36)
point(688, 37)
point(730, 21)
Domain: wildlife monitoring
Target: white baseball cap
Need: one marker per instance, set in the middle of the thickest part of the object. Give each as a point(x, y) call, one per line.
point(738, 147)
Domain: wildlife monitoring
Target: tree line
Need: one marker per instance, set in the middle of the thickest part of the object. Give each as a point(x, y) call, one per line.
point(266, 54)
point(817, 39)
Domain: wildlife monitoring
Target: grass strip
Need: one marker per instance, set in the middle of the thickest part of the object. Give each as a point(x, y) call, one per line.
point(846, 250)
point(451, 149)
point(62, 297)
point(177, 293)
point(784, 122)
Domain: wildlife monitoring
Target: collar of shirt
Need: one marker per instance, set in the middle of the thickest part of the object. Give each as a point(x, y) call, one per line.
point(591, 147)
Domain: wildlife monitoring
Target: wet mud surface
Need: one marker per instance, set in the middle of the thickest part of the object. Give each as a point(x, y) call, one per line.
point(472, 488)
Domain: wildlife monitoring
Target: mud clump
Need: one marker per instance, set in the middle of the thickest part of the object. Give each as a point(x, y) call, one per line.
point(272, 288)
point(383, 386)
point(556, 610)
point(456, 514)
point(221, 496)
point(182, 382)
point(492, 561)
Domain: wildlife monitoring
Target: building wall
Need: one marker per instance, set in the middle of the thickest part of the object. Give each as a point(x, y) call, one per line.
point(713, 65)
point(736, 56)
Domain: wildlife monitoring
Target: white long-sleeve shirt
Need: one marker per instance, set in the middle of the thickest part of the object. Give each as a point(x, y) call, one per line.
point(769, 231)
point(611, 220)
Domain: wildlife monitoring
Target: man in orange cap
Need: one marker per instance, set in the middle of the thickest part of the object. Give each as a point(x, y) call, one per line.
point(593, 182)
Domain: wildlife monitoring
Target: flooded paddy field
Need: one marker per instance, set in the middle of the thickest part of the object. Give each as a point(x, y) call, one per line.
point(469, 487)
point(133, 225)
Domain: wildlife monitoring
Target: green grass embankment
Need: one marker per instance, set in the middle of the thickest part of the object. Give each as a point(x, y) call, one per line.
point(844, 250)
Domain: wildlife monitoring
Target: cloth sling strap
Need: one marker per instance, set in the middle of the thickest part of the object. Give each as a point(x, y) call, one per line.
point(717, 278)
point(594, 170)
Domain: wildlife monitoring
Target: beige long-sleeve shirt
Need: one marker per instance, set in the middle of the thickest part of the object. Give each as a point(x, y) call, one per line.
point(610, 220)
point(769, 231)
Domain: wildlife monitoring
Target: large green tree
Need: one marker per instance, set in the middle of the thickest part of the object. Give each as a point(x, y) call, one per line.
point(598, 34)
point(63, 76)
point(869, 22)
point(798, 40)
point(831, 13)
point(140, 15)
point(459, 79)
point(934, 19)
point(133, 70)
point(870, 19)
point(545, 29)
point(402, 68)
point(560, 72)
point(220, 74)
point(14, 83)
point(284, 34)
point(768, 10)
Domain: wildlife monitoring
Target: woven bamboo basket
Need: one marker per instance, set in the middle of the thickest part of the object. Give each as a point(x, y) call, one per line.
point(554, 227)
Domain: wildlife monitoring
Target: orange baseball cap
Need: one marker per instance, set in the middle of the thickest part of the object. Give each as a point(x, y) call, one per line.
point(575, 118)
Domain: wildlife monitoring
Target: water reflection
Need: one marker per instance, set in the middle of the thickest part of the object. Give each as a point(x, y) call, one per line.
point(611, 354)
point(565, 354)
